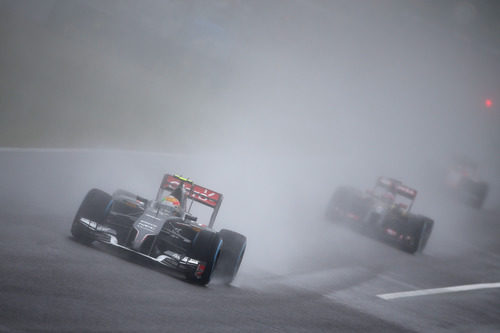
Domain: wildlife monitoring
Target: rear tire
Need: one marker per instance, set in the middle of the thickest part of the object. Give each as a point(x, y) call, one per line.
point(233, 249)
point(206, 248)
point(93, 207)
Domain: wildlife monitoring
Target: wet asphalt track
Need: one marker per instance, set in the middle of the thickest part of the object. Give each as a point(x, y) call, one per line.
point(51, 283)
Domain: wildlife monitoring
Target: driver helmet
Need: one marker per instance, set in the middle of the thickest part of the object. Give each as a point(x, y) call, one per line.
point(171, 204)
point(401, 207)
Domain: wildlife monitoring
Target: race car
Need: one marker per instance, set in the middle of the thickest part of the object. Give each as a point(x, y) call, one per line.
point(163, 230)
point(463, 184)
point(383, 212)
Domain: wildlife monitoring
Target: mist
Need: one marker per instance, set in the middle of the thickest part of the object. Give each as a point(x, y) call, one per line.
point(272, 103)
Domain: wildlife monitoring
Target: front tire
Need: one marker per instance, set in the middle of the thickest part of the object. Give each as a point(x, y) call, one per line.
point(418, 234)
point(93, 207)
point(233, 249)
point(206, 249)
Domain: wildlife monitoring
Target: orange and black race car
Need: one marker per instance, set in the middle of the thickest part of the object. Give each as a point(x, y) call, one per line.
point(383, 212)
point(163, 230)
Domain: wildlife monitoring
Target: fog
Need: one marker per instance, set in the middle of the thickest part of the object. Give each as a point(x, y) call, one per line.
point(272, 103)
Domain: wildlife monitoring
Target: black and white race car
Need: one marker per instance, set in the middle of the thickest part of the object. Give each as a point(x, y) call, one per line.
point(163, 230)
point(383, 212)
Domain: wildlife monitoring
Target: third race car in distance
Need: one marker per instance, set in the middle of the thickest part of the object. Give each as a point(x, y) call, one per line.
point(163, 230)
point(383, 212)
point(463, 184)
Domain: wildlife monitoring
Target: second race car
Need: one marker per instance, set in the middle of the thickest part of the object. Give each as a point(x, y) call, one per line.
point(163, 229)
point(383, 212)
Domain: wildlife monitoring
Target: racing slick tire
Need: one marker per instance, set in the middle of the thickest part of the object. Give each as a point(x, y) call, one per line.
point(342, 198)
point(233, 249)
point(93, 207)
point(206, 248)
point(417, 234)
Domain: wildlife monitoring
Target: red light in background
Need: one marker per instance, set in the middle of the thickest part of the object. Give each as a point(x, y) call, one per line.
point(488, 103)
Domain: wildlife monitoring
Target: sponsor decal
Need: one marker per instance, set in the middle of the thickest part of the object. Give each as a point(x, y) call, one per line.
point(179, 258)
point(198, 193)
point(173, 255)
point(146, 225)
point(205, 195)
point(391, 232)
point(153, 217)
point(406, 190)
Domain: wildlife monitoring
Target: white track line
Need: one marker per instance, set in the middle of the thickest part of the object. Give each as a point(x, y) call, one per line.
point(454, 289)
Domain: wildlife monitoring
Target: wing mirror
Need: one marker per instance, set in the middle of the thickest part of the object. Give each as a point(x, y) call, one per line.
point(191, 217)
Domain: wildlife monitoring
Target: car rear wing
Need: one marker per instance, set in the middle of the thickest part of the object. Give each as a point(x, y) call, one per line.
point(397, 187)
point(195, 192)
